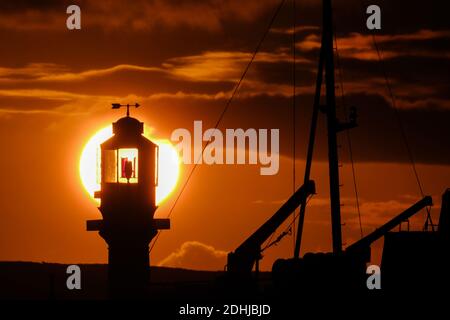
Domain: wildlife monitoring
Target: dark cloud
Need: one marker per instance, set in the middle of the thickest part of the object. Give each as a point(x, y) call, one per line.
point(26, 5)
point(142, 15)
point(187, 69)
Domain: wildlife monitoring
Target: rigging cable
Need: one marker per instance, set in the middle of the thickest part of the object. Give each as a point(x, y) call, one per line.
point(400, 123)
point(227, 105)
point(429, 220)
point(293, 112)
point(285, 232)
point(349, 140)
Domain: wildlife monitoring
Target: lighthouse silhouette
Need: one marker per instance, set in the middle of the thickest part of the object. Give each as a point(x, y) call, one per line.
point(129, 177)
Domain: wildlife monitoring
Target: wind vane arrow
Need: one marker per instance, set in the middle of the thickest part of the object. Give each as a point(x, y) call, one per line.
point(118, 106)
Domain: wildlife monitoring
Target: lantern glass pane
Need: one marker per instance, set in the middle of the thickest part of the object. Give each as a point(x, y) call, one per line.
point(110, 166)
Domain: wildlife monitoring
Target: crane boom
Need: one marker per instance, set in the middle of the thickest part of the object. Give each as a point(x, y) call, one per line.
point(244, 257)
point(378, 233)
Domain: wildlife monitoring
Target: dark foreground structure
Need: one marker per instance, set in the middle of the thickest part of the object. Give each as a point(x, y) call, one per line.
point(411, 260)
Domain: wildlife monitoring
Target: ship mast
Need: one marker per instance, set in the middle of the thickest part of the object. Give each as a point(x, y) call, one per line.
point(326, 61)
point(332, 127)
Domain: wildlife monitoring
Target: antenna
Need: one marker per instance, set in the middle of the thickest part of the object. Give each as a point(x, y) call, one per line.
point(118, 106)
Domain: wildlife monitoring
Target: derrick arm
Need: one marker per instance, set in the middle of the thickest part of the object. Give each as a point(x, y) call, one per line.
point(378, 233)
point(241, 261)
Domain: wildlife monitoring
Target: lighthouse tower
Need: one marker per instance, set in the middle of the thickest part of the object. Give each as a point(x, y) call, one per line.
point(129, 177)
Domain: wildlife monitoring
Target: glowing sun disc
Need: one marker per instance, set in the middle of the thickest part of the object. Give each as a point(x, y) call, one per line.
point(168, 164)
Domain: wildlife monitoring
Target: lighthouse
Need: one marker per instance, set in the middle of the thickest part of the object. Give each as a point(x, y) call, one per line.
point(129, 177)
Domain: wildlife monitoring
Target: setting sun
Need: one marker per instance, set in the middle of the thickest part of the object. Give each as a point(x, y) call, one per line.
point(168, 164)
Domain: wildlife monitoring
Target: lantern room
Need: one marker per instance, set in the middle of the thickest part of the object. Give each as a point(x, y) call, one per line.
point(129, 168)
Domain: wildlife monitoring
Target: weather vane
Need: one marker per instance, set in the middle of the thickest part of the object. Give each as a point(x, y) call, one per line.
point(118, 106)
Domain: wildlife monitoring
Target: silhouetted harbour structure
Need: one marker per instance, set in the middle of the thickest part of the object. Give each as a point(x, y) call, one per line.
point(417, 259)
point(411, 260)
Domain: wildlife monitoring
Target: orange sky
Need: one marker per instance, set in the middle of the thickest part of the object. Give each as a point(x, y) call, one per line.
point(180, 63)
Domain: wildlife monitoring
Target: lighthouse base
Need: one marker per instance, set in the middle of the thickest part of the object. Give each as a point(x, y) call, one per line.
point(128, 271)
